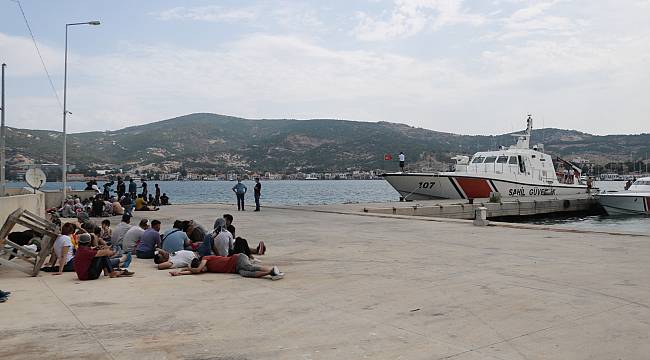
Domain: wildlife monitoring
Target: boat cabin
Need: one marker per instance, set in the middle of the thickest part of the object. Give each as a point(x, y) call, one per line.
point(516, 163)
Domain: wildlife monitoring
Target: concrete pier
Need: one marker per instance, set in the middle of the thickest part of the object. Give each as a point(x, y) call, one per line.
point(358, 285)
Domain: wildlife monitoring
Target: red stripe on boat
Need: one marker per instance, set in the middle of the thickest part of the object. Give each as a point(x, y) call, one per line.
point(474, 188)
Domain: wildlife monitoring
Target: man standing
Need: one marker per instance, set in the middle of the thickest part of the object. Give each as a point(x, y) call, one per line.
point(157, 198)
point(133, 188)
point(107, 189)
point(121, 188)
point(257, 192)
point(402, 157)
point(144, 188)
point(240, 190)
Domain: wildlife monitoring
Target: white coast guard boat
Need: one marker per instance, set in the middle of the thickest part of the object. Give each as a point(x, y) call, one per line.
point(515, 172)
point(634, 201)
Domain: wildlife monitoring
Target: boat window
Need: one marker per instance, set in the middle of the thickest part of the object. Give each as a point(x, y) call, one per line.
point(513, 160)
point(490, 159)
point(478, 160)
point(522, 166)
point(502, 160)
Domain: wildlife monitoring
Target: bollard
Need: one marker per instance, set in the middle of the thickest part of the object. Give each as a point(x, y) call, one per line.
point(480, 216)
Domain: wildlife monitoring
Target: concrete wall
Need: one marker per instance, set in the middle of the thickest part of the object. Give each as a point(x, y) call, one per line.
point(32, 202)
point(54, 198)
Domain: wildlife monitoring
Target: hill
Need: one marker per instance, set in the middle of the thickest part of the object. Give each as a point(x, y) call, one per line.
point(212, 143)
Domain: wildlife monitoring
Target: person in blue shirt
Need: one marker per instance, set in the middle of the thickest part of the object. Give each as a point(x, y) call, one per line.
point(240, 190)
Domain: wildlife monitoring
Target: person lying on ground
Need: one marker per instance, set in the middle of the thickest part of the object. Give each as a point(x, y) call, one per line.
point(24, 238)
point(236, 264)
point(62, 251)
point(89, 262)
point(178, 259)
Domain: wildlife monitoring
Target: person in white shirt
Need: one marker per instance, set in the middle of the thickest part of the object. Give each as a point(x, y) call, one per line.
point(177, 259)
point(402, 158)
point(62, 252)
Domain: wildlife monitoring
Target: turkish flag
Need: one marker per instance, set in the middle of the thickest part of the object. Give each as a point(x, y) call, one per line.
point(388, 157)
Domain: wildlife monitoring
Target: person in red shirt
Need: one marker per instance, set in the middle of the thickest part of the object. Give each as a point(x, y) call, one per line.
point(89, 262)
point(236, 264)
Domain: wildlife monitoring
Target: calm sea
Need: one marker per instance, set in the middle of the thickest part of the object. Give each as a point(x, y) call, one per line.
point(317, 192)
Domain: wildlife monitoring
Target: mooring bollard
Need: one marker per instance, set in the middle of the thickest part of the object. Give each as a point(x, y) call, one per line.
point(480, 216)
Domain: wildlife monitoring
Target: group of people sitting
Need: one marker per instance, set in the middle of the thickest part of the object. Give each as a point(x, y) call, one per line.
point(90, 250)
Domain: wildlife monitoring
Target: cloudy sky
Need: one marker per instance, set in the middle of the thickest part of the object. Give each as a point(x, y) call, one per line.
point(474, 67)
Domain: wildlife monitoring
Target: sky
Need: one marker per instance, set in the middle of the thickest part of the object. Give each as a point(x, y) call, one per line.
point(470, 67)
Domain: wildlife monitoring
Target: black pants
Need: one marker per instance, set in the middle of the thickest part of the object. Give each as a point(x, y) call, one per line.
point(240, 201)
point(98, 265)
point(144, 255)
point(69, 267)
point(257, 202)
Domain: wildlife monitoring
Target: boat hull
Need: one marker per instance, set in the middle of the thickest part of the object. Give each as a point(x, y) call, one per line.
point(423, 186)
point(625, 204)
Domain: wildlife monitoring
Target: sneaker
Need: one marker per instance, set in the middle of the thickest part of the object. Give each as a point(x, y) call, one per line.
point(4, 293)
point(261, 248)
point(277, 277)
point(3, 299)
point(127, 273)
point(276, 272)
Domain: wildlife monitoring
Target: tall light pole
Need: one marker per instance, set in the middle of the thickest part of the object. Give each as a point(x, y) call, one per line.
point(65, 110)
point(2, 136)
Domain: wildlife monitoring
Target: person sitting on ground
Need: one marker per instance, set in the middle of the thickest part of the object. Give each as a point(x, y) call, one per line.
point(128, 204)
point(151, 201)
point(106, 231)
point(241, 245)
point(224, 242)
point(133, 236)
point(228, 219)
point(97, 238)
point(149, 242)
point(175, 239)
point(208, 246)
point(178, 259)
point(67, 211)
point(141, 204)
point(164, 199)
point(97, 207)
point(236, 264)
point(117, 238)
point(62, 251)
point(90, 262)
point(197, 234)
point(117, 207)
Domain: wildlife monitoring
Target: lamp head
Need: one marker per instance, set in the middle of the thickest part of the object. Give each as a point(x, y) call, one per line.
point(95, 22)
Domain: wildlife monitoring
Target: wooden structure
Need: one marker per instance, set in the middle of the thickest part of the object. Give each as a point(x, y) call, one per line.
point(32, 221)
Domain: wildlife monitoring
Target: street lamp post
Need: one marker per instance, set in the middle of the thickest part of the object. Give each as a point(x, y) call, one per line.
point(2, 136)
point(65, 110)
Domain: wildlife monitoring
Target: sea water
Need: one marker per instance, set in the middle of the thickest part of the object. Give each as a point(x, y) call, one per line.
point(322, 192)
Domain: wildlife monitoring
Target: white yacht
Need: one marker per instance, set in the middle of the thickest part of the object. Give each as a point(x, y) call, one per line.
point(635, 200)
point(514, 172)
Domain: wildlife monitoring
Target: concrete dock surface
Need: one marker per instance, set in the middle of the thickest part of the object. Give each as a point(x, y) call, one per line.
point(357, 286)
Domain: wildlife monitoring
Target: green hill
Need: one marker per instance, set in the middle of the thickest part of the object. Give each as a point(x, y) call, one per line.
point(217, 143)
